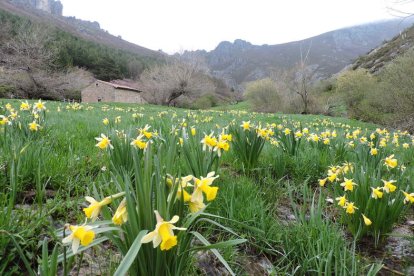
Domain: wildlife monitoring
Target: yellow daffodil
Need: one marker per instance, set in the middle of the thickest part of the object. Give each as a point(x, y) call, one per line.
point(103, 142)
point(221, 145)
point(196, 205)
point(341, 200)
point(367, 221)
point(138, 143)
point(81, 235)
point(226, 137)
point(209, 141)
point(163, 233)
point(33, 126)
point(94, 208)
point(4, 120)
point(203, 185)
point(193, 131)
point(348, 184)
point(350, 208)
point(391, 162)
point(105, 121)
point(24, 106)
point(389, 187)
point(121, 215)
point(376, 193)
point(408, 197)
point(39, 106)
point(332, 176)
point(245, 125)
point(287, 131)
point(374, 151)
point(322, 182)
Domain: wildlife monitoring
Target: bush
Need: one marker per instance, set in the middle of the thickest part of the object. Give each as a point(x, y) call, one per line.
point(359, 91)
point(6, 90)
point(264, 95)
point(205, 101)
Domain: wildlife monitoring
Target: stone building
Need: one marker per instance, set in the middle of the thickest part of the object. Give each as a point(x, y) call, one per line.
point(101, 91)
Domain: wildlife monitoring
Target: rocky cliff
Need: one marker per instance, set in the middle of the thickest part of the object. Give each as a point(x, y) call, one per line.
point(49, 6)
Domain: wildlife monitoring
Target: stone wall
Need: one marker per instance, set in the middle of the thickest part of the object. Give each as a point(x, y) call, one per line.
point(101, 92)
point(125, 96)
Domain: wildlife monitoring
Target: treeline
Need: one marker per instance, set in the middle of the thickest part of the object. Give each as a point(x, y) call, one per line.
point(104, 62)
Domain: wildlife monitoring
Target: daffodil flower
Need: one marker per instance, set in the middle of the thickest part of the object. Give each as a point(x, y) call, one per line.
point(103, 142)
point(408, 197)
point(81, 235)
point(367, 221)
point(348, 184)
point(376, 192)
point(33, 126)
point(163, 233)
point(39, 106)
point(24, 106)
point(341, 200)
point(121, 215)
point(138, 143)
point(203, 186)
point(389, 187)
point(209, 141)
point(322, 182)
point(245, 125)
point(94, 208)
point(391, 162)
point(350, 208)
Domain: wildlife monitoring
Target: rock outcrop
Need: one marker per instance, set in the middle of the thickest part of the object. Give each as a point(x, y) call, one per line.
point(49, 6)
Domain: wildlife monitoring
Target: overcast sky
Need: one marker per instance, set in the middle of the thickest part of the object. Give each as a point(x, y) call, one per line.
point(173, 26)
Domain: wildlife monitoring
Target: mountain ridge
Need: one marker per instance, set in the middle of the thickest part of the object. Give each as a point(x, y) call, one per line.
point(241, 61)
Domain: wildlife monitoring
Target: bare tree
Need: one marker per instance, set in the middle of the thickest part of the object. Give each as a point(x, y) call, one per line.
point(29, 47)
point(400, 8)
point(164, 84)
point(301, 77)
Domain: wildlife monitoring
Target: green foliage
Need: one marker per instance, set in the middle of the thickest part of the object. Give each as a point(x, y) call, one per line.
point(104, 62)
point(6, 90)
point(314, 245)
point(205, 102)
point(248, 145)
point(264, 95)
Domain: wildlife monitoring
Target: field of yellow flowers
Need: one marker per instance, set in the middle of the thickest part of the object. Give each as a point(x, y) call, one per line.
point(122, 189)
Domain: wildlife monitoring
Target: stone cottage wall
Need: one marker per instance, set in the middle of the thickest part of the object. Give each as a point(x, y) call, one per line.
point(93, 93)
point(125, 96)
point(107, 93)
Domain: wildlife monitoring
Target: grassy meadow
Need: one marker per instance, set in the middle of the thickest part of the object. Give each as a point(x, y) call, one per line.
point(115, 189)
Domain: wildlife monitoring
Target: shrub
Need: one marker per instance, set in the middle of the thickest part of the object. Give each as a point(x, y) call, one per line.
point(264, 95)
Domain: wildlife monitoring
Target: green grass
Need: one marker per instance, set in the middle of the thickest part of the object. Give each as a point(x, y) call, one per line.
point(60, 165)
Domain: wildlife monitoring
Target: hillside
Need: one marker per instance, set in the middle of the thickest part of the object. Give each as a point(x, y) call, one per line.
point(330, 52)
point(377, 58)
point(90, 31)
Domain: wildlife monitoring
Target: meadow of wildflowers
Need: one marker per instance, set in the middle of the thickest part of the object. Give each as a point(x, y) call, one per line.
point(146, 190)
